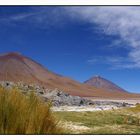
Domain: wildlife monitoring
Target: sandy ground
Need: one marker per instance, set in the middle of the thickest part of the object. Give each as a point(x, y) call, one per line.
point(75, 128)
point(95, 107)
point(85, 108)
point(130, 101)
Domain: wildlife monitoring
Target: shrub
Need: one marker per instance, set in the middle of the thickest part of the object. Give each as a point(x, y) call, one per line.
point(25, 114)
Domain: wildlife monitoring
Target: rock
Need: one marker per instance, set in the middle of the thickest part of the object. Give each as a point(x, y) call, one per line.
point(24, 88)
point(60, 98)
point(7, 84)
point(57, 97)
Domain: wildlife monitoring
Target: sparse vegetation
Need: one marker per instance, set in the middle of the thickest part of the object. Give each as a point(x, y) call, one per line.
point(28, 114)
point(22, 114)
point(123, 121)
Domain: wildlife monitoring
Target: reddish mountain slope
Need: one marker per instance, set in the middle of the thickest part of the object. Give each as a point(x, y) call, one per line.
point(100, 82)
point(15, 67)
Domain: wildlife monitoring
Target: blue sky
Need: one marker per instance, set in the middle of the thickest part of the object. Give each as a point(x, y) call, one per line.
point(77, 42)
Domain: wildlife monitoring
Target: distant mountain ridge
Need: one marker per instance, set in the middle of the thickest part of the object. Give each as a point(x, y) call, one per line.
point(18, 68)
point(100, 82)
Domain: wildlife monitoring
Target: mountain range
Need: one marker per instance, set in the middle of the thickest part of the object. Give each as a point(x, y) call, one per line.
point(16, 67)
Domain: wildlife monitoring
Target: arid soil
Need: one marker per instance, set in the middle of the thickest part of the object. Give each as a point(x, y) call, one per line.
point(129, 101)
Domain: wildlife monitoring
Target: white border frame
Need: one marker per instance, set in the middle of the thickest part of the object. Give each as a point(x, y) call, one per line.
point(69, 2)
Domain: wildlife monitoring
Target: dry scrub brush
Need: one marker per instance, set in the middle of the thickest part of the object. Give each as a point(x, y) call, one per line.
point(25, 114)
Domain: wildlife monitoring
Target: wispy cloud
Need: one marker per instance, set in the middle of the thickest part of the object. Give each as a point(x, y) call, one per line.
point(121, 21)
point(114, 62)
point(39, 17)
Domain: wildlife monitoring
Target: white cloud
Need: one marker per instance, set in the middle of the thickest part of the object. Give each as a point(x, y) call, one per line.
point(121, 21)
point(115, 62)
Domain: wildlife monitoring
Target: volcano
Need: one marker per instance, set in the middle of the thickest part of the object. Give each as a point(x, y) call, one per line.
point(100, 82)
point(18, 68)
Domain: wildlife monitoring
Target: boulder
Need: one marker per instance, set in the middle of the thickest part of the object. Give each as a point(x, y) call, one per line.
point(59, 98)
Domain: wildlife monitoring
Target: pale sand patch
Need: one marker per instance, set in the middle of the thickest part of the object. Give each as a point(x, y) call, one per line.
point(114, 128)
point(79, 128)
point(75, 128)
point(85, 108)
point(129, 101)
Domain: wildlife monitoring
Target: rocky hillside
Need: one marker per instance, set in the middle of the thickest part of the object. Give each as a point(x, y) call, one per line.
point(57, 97)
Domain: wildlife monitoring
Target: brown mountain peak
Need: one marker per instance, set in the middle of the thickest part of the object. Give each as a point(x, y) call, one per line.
point(11, 55)
point(100, 82)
